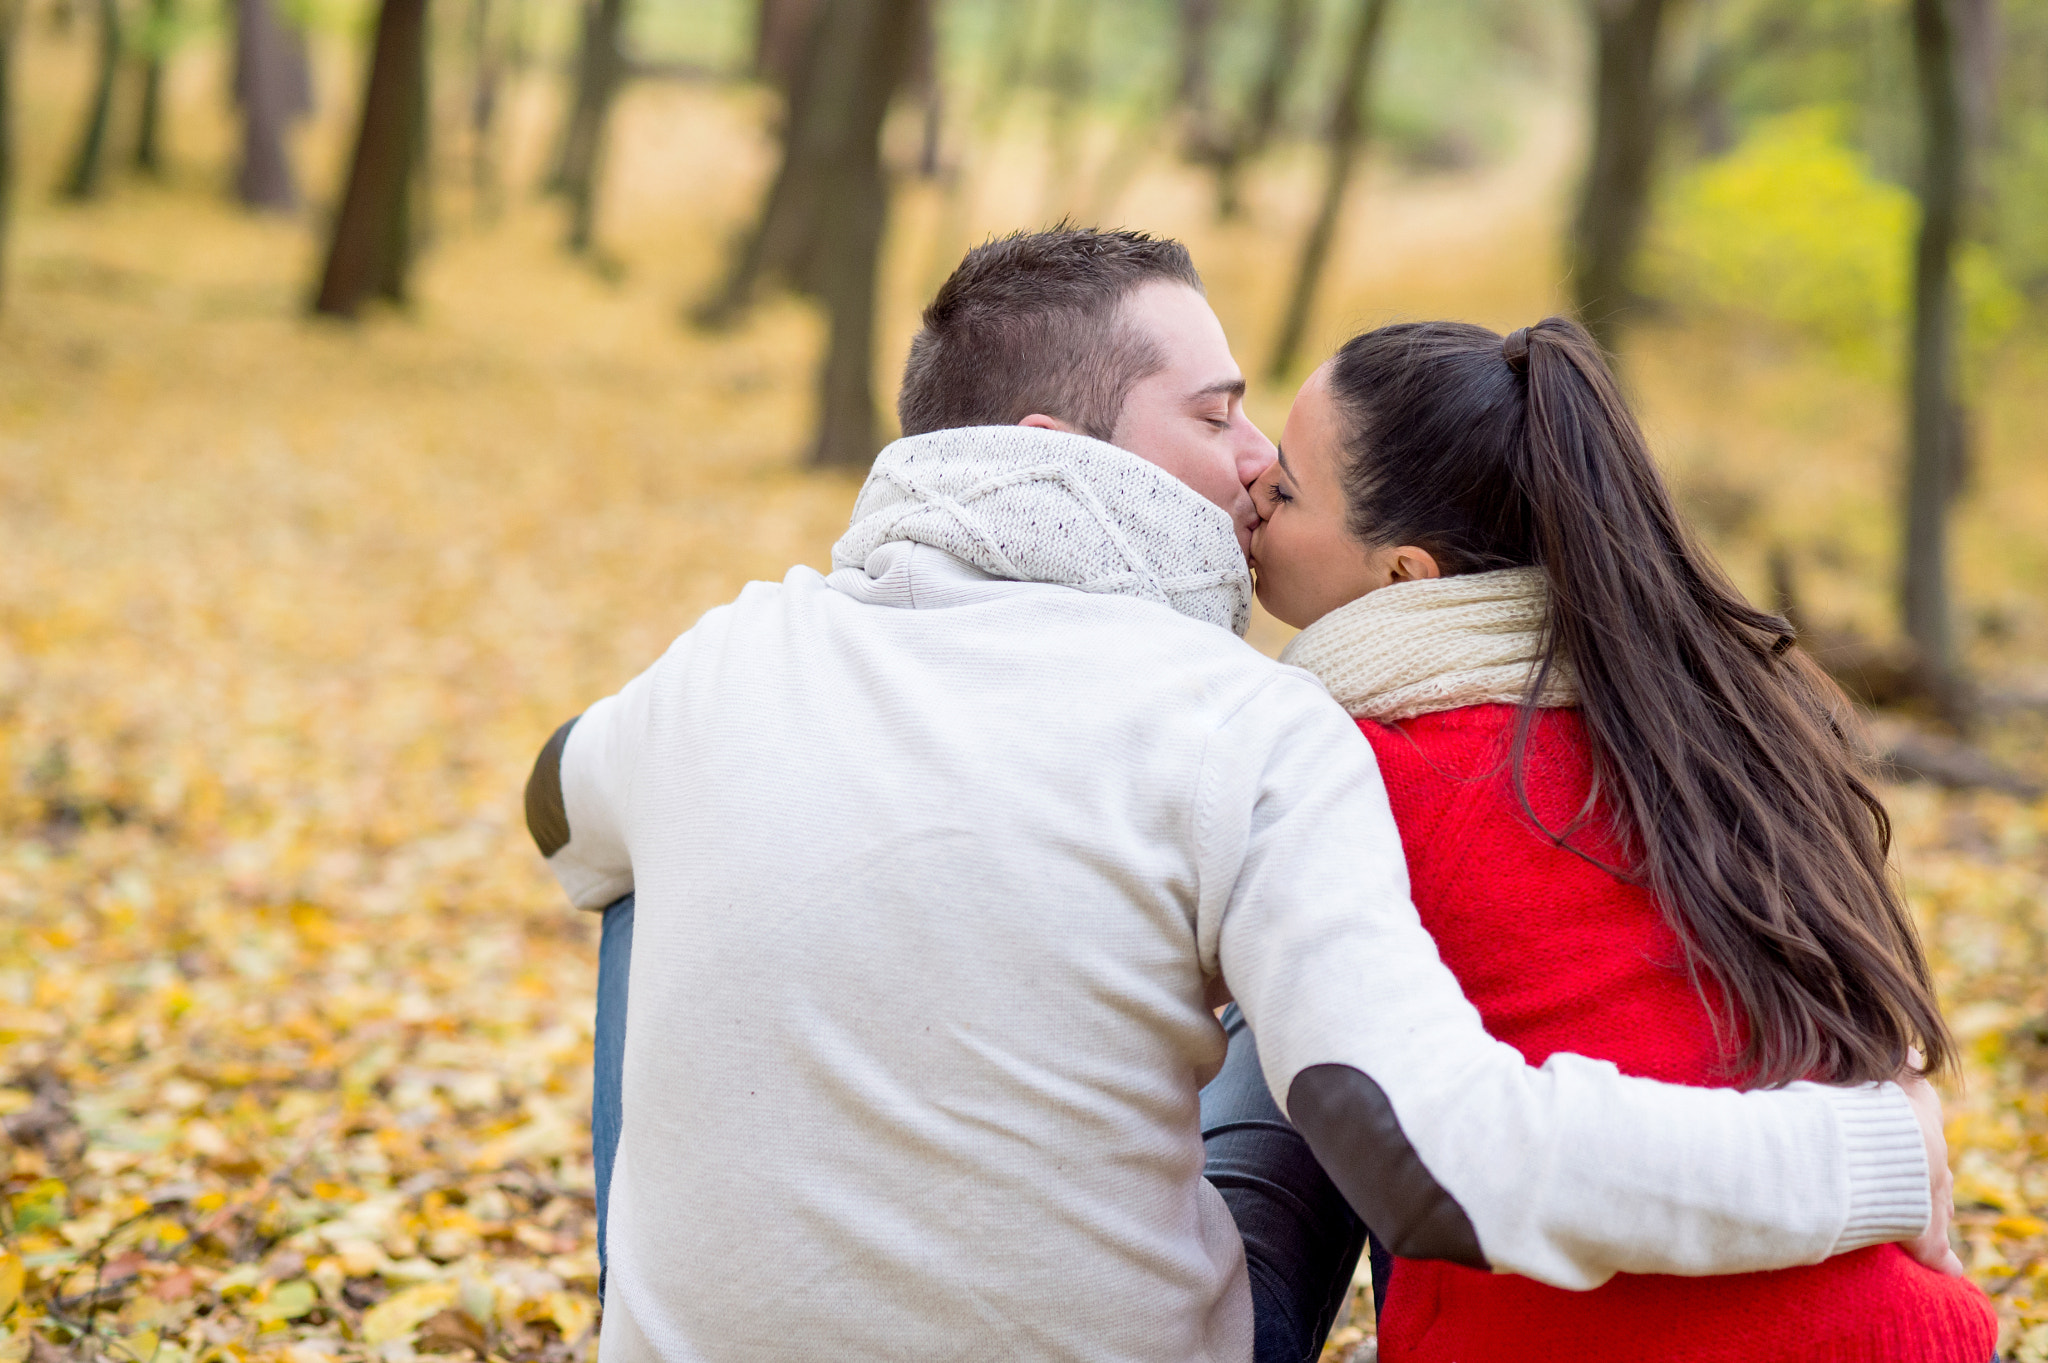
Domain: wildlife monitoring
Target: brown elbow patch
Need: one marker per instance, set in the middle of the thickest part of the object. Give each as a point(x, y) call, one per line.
point(547, 817)
point(1349, 1123)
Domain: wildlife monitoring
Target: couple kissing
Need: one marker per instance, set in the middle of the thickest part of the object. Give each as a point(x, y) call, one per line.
point(1003, 959)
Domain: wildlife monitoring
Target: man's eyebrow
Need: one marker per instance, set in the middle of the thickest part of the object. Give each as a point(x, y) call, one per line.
point(1221, 388)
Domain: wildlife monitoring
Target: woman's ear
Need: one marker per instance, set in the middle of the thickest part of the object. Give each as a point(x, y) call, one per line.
point(1412, 564)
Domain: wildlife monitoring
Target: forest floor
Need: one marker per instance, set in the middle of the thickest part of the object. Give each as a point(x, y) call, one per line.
point(296, 1028)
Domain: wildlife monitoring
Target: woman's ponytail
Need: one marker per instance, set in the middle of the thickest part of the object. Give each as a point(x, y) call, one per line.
point(1719, 754)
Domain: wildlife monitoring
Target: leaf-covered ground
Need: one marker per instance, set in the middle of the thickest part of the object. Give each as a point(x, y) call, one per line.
point(295, 1030)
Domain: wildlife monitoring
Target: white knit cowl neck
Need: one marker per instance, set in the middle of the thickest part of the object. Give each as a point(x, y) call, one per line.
point(1435, 644)
point(1031, 505)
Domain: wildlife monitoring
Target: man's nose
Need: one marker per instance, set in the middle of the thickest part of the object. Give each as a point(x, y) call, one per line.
point(1255, 455)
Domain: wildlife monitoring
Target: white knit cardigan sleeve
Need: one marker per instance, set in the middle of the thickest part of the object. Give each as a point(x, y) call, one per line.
point(1569, 1173)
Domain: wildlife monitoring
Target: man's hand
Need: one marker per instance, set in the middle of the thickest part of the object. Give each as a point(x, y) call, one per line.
point(1932, 1248)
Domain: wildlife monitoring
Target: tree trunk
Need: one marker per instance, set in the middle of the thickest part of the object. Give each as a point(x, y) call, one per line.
point(821, 225)
point(1197, 24)
point(850, 244)
point(782, 27)
point(1203, 138)
point(1980, 39)
point(273, 87)
point(1627, 113)
point(856, 70)
point(922, 79)
point(10, 24)
point(83, 179)
point(486, 75)
point(149, 120)
point(1069, 77)
point(1349, 126)
point(372, 245)
point(1291, 19)
point(600, 68)
point(1933, 423)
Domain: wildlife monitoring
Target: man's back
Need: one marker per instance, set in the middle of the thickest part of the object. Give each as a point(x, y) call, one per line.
point(934, 859)
point(917, 999)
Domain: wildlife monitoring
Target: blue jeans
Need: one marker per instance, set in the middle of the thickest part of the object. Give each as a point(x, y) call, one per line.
point(1301, 1238)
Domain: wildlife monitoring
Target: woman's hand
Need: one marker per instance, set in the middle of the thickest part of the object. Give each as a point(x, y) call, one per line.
point(1933, 1248)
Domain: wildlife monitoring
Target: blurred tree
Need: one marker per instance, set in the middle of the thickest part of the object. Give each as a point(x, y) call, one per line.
point(1005, 62)
point(486, 73)
point(371, 251)
point(781, 27)
point(1196, 32)
point(820, 224)
point(1615, 204)
point(10, 25)
point(157, 36)
point(1721, 51)
point(1228, 149)
point(600, 70)
point(82, 181)
point(925, 82)
point(1978, 48)
point(1068, 75)
point(1350, 118)
point(273, 88)
point(1934, 416)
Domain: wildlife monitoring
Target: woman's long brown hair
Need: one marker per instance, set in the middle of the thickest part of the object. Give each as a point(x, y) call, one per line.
point(1721, 753)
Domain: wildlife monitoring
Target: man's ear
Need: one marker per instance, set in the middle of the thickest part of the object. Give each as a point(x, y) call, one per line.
point(1042, 422)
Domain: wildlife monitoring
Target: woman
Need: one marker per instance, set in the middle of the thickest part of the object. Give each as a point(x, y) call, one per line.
point(1634, 824)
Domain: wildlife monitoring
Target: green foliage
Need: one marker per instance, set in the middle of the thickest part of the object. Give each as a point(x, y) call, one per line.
point(1780, 56)
point(2019, 227)
point(1795, 227)
point(1469, 72)
point(43, 1203)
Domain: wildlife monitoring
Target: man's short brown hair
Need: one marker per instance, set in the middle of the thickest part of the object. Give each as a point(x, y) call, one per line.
point(1029, 323)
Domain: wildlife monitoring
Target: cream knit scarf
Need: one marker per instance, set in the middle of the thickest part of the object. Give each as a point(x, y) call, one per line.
point(1044, 506)
point(1435, 644)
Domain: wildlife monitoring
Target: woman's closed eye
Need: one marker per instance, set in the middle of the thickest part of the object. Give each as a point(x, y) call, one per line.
point(1278, 494)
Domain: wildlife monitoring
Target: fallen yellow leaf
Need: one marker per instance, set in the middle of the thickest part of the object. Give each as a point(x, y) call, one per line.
point(11, 1275)
point(286, 1301)
point(399, 1314)
point(571, 1314)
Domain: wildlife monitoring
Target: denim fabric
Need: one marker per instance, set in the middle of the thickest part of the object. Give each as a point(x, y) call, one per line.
point(1301, 1238)
point(607, 1089)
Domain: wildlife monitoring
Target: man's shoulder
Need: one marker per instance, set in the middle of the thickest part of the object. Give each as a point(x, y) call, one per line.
point(1102, 645)
point(1156, 657)
point(1143, 640)
point(755, 600)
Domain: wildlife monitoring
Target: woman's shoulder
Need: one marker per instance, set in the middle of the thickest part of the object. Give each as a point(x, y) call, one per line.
point(1486, 731)
point(1467, 756)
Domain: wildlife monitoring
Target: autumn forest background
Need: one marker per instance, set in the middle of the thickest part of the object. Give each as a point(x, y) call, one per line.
point(381, 381)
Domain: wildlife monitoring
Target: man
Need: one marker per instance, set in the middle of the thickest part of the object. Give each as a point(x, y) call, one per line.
point(942, 861)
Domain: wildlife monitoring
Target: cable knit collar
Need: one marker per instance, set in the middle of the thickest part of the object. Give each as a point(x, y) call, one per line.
point(1030, 505)
point(1436, 644)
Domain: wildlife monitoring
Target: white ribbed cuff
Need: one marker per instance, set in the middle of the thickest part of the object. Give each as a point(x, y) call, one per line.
point(1889, 1196)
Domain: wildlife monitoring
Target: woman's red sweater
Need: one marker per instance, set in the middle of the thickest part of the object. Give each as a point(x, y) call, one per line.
point(1560, 955)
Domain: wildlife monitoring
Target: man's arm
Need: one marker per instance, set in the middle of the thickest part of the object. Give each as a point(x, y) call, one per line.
point(575, 798)
point(1446, 1142)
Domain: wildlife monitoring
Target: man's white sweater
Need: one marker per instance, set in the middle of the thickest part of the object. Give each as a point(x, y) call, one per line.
point(936, 858)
